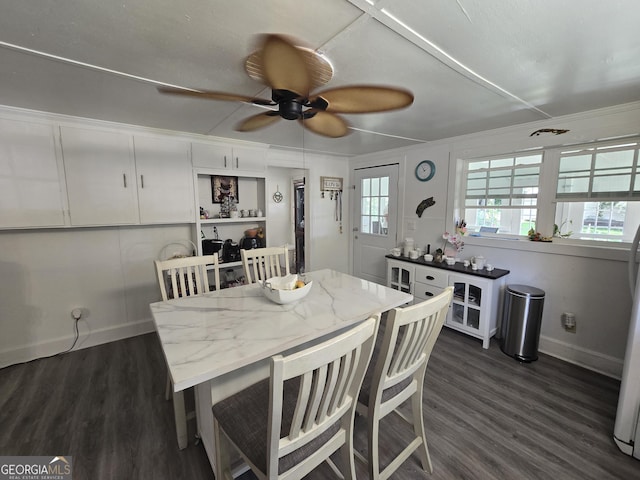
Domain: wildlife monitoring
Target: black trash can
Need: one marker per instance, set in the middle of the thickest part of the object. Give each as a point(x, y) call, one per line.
point(521, 319)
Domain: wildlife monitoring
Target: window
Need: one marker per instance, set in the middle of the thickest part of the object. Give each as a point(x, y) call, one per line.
point(375, 205)
point(501, 193)
point(598, 191)
point(591, 192)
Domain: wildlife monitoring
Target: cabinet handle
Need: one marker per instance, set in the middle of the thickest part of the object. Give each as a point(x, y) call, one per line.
point(429, 277)
point(124, 179)
point(225, 161)
point(237, 163)
point(141, 181)
point(428, 294)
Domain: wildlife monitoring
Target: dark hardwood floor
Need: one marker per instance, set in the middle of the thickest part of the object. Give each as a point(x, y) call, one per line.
point(487, 416)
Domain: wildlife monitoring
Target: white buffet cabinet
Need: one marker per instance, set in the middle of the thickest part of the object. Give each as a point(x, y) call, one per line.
point(476, 302)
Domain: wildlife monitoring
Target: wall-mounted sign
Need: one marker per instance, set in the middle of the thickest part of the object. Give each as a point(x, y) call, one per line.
point(331, 184)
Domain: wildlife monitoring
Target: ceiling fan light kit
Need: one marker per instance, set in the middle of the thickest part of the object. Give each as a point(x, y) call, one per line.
point(292, 72)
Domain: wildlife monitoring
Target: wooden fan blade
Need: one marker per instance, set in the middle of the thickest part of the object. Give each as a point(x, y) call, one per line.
point(327, 124)
point(211, 95)
point(284, 66)
point(362, 99)
point(258, 121)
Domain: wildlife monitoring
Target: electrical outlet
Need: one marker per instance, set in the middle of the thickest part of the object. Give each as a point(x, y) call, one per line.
point(411, 225)
point(76, 313)
point(569, 322)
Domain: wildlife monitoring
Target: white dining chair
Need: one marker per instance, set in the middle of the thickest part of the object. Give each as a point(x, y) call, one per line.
point(396, 374)
point(288, 424)
point(263, 263)
point(184, 277)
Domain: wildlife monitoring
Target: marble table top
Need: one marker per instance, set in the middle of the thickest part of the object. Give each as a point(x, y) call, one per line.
point(206, 336)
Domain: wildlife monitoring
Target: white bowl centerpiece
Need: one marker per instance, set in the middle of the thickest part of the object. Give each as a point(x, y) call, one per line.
point(287, 289)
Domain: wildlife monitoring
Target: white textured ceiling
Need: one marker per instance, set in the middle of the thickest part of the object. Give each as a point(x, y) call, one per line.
point(472, 65)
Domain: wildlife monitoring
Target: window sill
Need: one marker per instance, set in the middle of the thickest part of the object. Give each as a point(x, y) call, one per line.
point(559, 246)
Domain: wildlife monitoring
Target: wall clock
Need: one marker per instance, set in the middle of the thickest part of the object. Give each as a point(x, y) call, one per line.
point(425, 170)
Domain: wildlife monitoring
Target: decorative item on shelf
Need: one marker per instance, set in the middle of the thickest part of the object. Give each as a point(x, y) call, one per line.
point(557, 230)
point(455, 240)
point(438, 256)
point(537, 236)
point(233, 207)
point(423, 205)
point(223, 187)
point(227, 206)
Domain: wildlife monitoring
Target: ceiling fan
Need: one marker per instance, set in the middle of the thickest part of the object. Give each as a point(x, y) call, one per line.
point(292, 72)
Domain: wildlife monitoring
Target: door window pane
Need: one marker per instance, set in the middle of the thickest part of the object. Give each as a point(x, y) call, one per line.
point(374, 206)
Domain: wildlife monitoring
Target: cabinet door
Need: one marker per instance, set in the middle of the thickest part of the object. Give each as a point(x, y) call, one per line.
point(164, 179)
point(30, 183)
point(210, 155)
point(470, 303)
point(100, 174)
point(400, 276)
point(249, 159)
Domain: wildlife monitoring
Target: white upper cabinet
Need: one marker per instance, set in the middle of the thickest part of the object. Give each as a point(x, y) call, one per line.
point(226, 157)
point(164, 179)
point(100, 173)
point(31, 188)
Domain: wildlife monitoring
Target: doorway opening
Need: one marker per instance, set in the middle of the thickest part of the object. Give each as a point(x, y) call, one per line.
point(298, 224)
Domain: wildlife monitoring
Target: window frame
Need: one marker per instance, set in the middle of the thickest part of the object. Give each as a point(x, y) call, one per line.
point(548, 181)
point(461, 189)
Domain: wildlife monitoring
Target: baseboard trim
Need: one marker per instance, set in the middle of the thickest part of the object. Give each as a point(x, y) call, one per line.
point(597, 362)
point(26, 353)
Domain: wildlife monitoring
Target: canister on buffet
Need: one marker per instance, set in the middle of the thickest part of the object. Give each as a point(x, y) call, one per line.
point(408, 246)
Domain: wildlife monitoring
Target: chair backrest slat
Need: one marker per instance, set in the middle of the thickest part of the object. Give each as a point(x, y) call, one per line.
point(319, 387)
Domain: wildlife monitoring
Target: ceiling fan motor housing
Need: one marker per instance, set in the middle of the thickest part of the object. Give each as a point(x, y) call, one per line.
point(290, 109)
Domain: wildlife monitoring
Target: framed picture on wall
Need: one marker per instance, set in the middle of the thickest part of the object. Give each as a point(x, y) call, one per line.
point(222, 187)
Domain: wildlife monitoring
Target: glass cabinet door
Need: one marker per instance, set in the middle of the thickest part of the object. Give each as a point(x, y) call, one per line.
point(400, 277)
point(467, 303)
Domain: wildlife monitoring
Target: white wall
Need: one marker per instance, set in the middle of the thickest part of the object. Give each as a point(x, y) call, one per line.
point(280, 231)
point(588, 281)
point(326, 245)
point(329, 246)
point(108, 272)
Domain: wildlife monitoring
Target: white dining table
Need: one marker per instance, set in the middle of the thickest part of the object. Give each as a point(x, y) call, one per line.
point(220, 342)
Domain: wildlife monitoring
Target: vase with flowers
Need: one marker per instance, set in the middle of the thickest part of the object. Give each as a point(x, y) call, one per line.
point(456, 242)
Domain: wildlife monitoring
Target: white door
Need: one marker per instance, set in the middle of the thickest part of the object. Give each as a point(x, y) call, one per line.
point(375, 220)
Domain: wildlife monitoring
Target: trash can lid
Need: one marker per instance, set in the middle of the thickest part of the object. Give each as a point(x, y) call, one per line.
point(525, 290)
